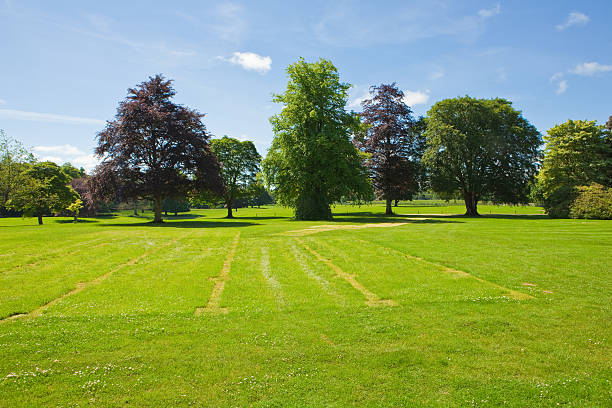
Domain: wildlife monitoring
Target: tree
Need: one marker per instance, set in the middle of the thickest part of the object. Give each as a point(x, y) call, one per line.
point(312, 161)
point(239, 166)
point(174, 206)
point(44, 190)
point(391, 143)
point(14, 160)
point(482, 148)
point(83, 186)
point(577, 153)
point(257, 194)
point(609, 123)
point(155, 149)
point(75, 208)
point(72, 171)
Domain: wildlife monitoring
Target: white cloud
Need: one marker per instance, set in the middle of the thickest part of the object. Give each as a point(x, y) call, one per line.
point(556, 76)
point(250, 61)
point(590, 68)
point(574, 18)
point(48, 117)
point(486, 13)
point(562, 87)
point(67, 153)
point(356, 102)
point(412, 98)
point(2, 102)
point(66, 149)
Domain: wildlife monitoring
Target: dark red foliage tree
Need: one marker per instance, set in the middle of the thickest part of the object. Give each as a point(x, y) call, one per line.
point(82, 185)
point(392, 142)
point(155, 149)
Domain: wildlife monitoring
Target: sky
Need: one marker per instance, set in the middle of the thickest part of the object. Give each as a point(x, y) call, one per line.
point(66, 65)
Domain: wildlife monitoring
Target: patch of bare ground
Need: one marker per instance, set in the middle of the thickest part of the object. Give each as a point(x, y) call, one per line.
point(329, 227)
point(215, 297)
point(372, 299)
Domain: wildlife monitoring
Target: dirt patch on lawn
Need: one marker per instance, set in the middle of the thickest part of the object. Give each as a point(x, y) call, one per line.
point(330, 227)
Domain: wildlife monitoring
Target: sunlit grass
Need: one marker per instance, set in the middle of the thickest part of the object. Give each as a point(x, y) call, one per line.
point(293, 325)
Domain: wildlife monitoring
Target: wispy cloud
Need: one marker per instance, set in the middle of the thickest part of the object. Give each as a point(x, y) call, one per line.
point(436, 74)
point(412, 98)
point(250, 61)
point(590, 68)
point(562, 87)
point(343, 24)
point(48, 117)
point(230, 23)
point(2, 102)
point(556, 76)
point(66, 153)
point(574, 18)
point(486, 13)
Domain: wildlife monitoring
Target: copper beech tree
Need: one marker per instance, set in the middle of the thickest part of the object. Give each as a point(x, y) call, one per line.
point(155, 149)
point(392, 143)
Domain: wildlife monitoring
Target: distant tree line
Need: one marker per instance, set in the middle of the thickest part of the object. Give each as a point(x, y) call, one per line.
point(160, 153)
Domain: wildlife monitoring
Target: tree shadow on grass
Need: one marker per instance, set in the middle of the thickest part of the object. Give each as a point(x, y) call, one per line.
point(366, 217)
point(185, 224)
point(80, 221)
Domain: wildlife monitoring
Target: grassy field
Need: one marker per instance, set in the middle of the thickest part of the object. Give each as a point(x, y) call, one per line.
point(412, 310)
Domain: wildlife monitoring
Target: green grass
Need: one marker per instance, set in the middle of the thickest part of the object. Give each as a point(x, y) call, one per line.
point(464, 328)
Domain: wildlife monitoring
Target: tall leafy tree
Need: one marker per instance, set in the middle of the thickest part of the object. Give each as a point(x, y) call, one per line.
point(391, 143)
point(240, 164)
point(43, 190)
point(482, 148)
point(155, 149)
point(577, 153)
point(312, 161)
point(14, 160)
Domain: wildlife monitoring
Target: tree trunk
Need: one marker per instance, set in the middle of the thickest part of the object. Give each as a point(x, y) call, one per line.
point(229, 209)
point(396, 203)
point(158, 210)
point(76, 218)
point(40, 219)
point(471, 204)
point(388, 210)
point(135, 207)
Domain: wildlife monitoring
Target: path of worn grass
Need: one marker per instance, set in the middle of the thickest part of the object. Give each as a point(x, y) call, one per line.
point(298, 328)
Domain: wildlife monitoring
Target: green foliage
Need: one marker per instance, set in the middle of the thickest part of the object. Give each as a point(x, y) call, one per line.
point(481, 147)
point(175, 206)
point(593, 202)
point(75, 208)
point(578, 153)
point(44, 189)
point(72, 171)
point(239, 166)
point(14, 160)
point(312, 161)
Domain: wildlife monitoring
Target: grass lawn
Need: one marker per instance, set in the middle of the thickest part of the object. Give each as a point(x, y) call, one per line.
point(411, 310)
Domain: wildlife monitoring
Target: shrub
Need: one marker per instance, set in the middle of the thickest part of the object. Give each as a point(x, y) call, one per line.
point(592, 202)
point(557, 204)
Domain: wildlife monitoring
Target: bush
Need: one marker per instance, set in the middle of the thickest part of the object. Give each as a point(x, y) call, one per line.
point(593, 202)
point(557, 204)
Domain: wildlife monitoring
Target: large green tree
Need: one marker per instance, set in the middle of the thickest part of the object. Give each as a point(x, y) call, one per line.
point(481, 148)
point(14, 160)
point(44, 189)
point(239, 166)
point(577, 153)
point(155, 149)
point(312, 161)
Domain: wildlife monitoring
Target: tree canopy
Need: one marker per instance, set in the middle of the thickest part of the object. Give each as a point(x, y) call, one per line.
point(155, 149)
point(239, 166)
point(44, 189)
point(391, 143)
point(577, 153)
point(482, 148)
point(312, 161)
point(14, 160)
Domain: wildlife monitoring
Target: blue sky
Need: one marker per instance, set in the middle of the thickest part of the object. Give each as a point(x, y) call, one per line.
point(65, 65)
